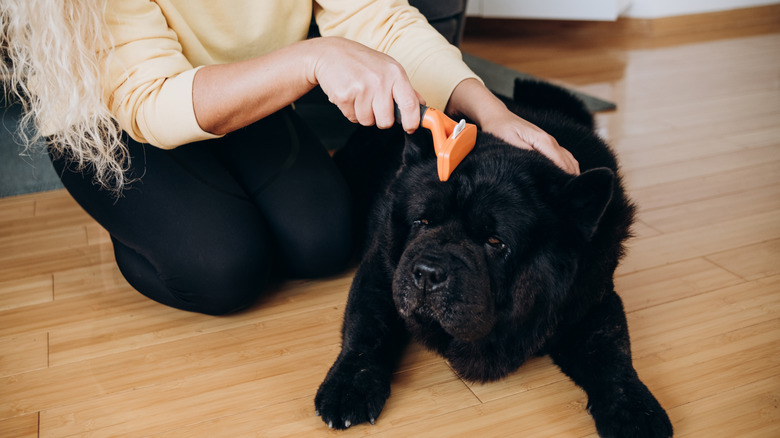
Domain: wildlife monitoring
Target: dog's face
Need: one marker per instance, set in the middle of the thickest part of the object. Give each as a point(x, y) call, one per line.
point(493, 246)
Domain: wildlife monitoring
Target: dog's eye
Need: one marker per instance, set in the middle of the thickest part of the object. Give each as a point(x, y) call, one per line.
point(496, 243)
point(420, 222)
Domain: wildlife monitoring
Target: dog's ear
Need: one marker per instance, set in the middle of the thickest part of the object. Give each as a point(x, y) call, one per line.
point(585, 198)
point(418, 147)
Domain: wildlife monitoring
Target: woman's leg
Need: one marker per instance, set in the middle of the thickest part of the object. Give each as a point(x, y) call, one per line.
point(184, 234)
point(205, 222)
point(305, 200)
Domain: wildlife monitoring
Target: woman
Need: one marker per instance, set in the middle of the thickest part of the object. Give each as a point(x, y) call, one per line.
point(169, 123)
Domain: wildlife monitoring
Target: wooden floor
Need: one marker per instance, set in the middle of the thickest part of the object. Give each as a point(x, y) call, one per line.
point(698, 132)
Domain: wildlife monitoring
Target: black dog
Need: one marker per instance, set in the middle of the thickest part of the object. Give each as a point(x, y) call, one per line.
point(510, 258)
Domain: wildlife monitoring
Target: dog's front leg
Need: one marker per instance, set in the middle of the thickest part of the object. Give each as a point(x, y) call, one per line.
point(596, 354)
point(358, 384)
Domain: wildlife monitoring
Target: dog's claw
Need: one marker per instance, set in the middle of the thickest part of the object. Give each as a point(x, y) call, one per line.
point(330, 425)
point(372, 420)
point(347, 424)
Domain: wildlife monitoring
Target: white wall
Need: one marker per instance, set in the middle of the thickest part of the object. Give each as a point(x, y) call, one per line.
point(668, 8)
point(548, 9)
point(602, 9)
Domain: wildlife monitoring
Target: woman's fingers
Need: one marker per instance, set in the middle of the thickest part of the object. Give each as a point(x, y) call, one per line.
point(521, 133)
point(364, 83)
point(560, 156)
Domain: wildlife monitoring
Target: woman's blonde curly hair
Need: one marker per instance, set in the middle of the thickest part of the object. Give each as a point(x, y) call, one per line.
point(54, 58)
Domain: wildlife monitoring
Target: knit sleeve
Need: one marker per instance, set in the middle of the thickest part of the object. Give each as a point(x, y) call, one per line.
point(149, 87)
point(434, 66)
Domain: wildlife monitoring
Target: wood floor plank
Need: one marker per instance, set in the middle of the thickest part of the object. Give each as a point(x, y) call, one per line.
point(61, 313)
point(642, 159)
point(687, 79)
point(253, 384)
point(753, 410)
point(626, 138)
point(217, 393)
point(700, 213)
point(47, 210)
point(657, 328)
point(25, 426)
point(163, 363)
point(97, 235)
point(33, 225)
point(752, 261)
point(34, 243)
point(641, 230)
point(57, 202)
point(692, 243)
point(423, 393)
point(27, 291)
point(558, 409)
point(41, 262)
point(86, 280)
point(701, 167)
point(418, 394)
point(16, 207)
point(118, 332)
point(698, 148)
point(712, 365)
point(671, 282)
point(708, 110)
point(23, 353)
point(702, 114)
point(537, 372)
point(753, 178)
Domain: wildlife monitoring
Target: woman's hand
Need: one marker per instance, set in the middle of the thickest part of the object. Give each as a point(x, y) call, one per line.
point(521, 133)
point(364, 83)
point(476, 102)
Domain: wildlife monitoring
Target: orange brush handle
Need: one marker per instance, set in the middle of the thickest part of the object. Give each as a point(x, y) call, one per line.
point(450, 149)
point(439, 124)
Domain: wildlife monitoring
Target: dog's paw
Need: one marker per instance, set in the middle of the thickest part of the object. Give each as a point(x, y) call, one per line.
point(636, 413)
point(353, 392)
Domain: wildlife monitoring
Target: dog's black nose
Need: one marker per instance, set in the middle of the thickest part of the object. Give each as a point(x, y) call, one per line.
point(428, 275)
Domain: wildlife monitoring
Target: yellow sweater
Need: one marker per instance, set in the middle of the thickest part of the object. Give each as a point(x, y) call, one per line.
point(158, 46)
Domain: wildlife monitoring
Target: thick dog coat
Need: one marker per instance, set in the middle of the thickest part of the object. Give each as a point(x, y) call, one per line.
point(508, 259)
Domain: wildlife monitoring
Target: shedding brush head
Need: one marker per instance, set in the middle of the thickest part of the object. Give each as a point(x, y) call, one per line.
point(451, 141)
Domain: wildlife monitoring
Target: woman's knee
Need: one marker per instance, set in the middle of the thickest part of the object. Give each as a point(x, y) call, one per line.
point(217, 281)
point(222, 285)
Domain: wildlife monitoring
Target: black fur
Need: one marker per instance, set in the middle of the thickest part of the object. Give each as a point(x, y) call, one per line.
point(510, 258)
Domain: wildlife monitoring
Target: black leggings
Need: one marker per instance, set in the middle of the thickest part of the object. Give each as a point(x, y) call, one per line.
point(207, 223)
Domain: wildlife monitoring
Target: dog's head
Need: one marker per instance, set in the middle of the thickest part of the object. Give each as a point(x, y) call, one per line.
point(495, 246)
